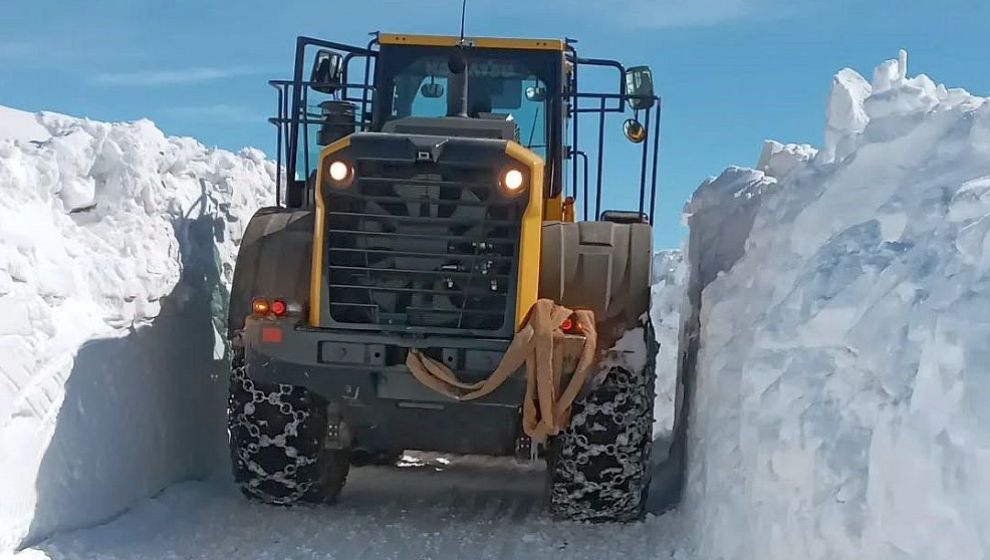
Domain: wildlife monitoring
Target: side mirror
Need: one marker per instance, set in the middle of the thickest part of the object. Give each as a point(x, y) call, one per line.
point(328, 71)
point(634, 130)
point(431, 91)
point(536, 94)
point(639, 87)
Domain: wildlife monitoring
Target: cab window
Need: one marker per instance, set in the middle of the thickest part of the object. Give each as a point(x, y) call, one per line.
point(506, 85)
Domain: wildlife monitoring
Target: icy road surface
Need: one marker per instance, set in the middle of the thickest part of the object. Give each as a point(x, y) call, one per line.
point(429, 507)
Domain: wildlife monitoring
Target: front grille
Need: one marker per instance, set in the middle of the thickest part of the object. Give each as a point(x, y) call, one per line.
point(421, 246)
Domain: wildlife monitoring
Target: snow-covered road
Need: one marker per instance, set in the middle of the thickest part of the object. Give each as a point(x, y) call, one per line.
point(430, 507)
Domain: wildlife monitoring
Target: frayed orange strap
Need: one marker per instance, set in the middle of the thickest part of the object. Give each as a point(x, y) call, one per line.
point(539, 345)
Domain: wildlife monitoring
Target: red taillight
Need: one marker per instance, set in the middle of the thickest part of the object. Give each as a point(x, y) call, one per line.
point(570, 326)
point(279, 308)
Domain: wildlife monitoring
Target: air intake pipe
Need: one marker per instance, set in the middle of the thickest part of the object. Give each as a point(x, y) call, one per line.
point(457, 85)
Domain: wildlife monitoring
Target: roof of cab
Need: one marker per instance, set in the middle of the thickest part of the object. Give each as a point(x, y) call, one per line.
point(478, 42)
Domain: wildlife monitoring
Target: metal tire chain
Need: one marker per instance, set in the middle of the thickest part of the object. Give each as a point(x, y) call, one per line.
point(601, 469)
point(281, 478)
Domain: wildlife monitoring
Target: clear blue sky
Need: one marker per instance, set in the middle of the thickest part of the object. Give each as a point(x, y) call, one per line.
point(732, 72)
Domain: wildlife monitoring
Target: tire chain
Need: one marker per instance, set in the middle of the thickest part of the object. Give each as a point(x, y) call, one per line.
point(242, 416)
point(601, 469)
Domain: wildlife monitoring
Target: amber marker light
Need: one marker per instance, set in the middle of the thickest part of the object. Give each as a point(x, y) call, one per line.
point(260, 307)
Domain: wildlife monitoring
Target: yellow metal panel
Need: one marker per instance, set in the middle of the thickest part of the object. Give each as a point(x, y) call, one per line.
point(530, 44)
point(319, 229)
point(554, 209)
point(479, 42)
point(530, 239)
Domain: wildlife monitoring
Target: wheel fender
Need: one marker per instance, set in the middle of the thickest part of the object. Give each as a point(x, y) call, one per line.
point(274, 260)
point(601, 266)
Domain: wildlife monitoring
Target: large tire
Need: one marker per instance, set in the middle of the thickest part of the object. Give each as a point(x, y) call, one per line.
point(277, 435)
point(599, 468)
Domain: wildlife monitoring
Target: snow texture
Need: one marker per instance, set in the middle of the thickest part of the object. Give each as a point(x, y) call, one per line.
point(103, 228)
point(840, 395)
point(669, 271)
point(430, 507)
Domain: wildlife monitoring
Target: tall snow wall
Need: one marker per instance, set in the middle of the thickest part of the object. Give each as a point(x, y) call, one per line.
point(116, 251)
point(838, 348)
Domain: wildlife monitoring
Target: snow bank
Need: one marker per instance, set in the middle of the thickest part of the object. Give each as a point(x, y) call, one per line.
point(116, 249)
point(839, 404)
point(669, 271)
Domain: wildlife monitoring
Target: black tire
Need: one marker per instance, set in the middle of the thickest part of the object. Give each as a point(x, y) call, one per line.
point(598, 470)
point(276, 442)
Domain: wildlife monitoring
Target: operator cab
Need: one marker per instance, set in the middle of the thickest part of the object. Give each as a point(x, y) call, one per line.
point(515, 90)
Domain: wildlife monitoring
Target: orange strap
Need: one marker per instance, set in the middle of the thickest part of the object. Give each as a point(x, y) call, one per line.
point(539, 345)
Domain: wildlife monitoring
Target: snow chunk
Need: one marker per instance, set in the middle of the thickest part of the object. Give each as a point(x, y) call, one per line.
point(21, 125)
point(735, 183)
point(777, 160)
point(846, 117)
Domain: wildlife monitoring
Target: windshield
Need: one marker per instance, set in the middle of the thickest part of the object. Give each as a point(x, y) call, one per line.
point(502, 85)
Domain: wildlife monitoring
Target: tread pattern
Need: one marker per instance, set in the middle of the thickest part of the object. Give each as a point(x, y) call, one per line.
point(276, 442)
point(599, 468)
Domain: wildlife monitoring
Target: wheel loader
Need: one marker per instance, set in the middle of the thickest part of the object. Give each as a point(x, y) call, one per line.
point(425, 218)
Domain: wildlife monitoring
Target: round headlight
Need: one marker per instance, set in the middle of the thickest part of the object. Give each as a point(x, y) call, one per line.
point(339, 171)
point(513, 180)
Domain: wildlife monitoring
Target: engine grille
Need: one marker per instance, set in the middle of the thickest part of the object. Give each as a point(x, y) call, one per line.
point(421, 246)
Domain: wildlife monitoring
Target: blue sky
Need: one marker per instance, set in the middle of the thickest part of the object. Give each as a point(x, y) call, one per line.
point(732, 72)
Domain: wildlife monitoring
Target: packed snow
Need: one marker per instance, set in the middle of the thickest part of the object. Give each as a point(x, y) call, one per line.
point(103, 228)
point(840, 394)
point(428, 507)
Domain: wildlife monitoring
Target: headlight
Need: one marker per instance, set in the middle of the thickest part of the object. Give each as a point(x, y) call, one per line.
point(513, 181)
point(341, 173)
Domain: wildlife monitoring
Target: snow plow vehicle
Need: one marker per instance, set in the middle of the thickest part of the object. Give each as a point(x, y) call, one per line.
point(423, 283)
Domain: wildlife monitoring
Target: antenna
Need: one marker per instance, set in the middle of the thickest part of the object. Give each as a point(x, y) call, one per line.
point(463, 15)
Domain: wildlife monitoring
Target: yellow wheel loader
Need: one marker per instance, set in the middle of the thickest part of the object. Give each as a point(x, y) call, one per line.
point(425, 214)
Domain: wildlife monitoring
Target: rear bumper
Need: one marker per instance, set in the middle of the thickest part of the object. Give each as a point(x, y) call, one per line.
point(384, 406)
point(360, 367)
